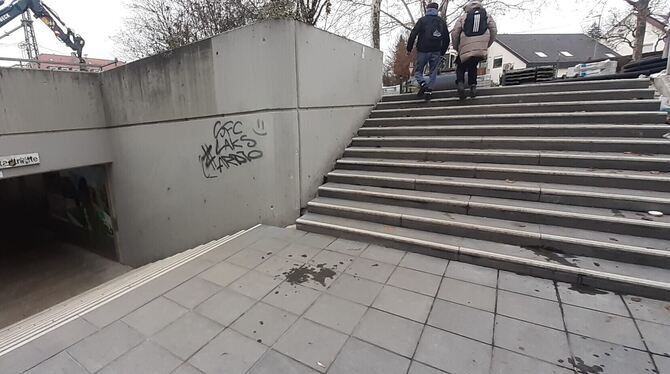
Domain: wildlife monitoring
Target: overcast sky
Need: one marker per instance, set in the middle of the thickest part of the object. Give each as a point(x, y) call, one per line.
point(99, 20)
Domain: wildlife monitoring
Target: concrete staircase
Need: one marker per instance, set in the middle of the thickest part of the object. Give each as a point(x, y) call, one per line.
point(552, 180)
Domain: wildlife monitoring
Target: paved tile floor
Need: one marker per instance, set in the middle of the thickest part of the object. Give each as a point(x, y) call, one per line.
point(282, 301)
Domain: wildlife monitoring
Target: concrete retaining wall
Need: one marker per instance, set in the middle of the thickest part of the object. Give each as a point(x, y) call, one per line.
point(208, 139)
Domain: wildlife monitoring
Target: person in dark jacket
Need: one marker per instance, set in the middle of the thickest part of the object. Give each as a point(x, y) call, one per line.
point(433, 43)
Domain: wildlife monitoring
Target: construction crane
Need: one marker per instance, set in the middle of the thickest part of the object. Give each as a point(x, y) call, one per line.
point(40, 10)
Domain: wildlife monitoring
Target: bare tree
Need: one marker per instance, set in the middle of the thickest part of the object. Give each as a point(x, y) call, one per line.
point(159, 25)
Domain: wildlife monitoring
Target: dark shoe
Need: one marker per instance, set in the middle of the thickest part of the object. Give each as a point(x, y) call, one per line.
point(428, 95)
point(422, 90)
point(461, 91)
point(473, 91)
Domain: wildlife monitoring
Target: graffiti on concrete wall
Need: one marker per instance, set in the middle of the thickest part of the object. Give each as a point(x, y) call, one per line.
point(234, 144)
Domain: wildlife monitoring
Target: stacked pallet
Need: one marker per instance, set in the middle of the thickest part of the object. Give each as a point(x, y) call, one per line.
point(528, 75)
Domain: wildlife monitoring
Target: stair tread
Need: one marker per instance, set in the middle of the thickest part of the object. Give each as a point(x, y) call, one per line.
point(642, 218)
point(526, 126)
point(531, 186)
point(513, 115)
point(593, 85)
point(523, 228)
point(420, 101)
point(553, 139)
point(555, 170)
point(522, 105)
point(513, 152)
point(606, 268)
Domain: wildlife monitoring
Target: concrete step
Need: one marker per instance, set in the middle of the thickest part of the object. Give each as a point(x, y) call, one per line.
point(621, 117)
point(620, 84)
point(551, 107)
point(640, 180)
point(600, 160)
point(599, 197)
point(591, 144)
point(536, 97)
point(531, 260)
point(540, 97)
point(562, 130)
point(588, 218)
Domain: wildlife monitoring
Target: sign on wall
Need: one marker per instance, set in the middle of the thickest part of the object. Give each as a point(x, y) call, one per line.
point(17, 161)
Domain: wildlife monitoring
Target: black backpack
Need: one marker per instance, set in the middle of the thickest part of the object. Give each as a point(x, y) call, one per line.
point(433, 30)
point(476, 23)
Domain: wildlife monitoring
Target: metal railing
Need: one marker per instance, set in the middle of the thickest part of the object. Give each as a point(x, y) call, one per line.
point(81, 67)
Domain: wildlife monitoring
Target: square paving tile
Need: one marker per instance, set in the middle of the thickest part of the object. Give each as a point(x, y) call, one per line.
point(383, 254)
point(293, 298)
point(656, 336)
point(531, 309)
point(313, 345)
point(60, 363)
point(299, 252)
point(154, 316)
point(332, 260)
point(370, 269)
point(462, 356)
point(603, 326)
point(255, 284)
point(225, 307)
point(428, 264)
point(472, 273)
point(592, 298)
point(470, 294)
point(316, 240)
point(415, 280)
point(649, 309)
point(229, 353)
point(404, 303)
point(105, 346)
point(249, 258)
point(276, 363)
point(358, 357)
point(223, 273)
point(462, 320)
point(193, 292)
point(527, 285)
point(187, 369)
point(394, 333)
point(187, 334)
point(419, 368)
point(663, 364)
point(355, 289)
point(532, 340)
point(266, 245)
point(336, 313)
point(603, 357)
point(264, 323)
point(506, 362)
point(278, 266)
point(147, 358)
point(350, 247)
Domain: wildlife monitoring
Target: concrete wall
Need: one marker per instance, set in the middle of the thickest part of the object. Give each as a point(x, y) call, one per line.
point(205, 140)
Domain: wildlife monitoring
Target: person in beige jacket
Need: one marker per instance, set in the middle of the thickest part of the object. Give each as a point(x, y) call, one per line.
point(472, 36)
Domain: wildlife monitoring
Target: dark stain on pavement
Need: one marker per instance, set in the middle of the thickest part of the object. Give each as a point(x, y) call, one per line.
point(581, 367)
point(551, 254)
point(587, 290)
point(305, 273)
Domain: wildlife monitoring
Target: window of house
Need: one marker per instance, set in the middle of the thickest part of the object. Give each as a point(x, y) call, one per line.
point(541, 54)
point(566, 54)
point(497, 62)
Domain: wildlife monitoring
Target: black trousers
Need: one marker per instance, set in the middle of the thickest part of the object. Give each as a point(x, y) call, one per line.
point(469, 66)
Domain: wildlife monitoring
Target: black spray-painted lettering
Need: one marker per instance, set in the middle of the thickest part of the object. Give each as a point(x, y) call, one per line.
point(232, 147)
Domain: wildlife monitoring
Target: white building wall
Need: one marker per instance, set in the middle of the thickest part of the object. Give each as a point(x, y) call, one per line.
point(508, 57)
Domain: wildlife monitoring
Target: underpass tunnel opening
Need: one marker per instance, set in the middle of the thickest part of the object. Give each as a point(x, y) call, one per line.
point(57, 239)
